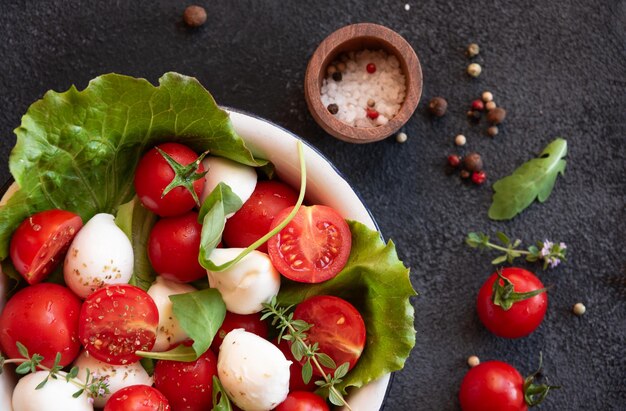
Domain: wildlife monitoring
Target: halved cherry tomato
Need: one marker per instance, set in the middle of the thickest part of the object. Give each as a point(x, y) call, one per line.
point(313, 247)
point(154, 174)
point(302, 401)
point(173, 247)
point(38, 244)
point(116, 321)
point(296, 383)
point(249, 322)
point(43, 317)
point(137, 398)
point(254, 218)
point(338, 328)
point(187, 385)
point(524, 316)
point(492, 386)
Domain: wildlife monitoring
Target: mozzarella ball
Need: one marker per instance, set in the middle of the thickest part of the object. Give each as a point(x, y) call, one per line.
point(239, 177)
point(100, 254)
point(56, 394)
point(119, 376)
point(169, 331)
point(247, 284)
point(253, 371)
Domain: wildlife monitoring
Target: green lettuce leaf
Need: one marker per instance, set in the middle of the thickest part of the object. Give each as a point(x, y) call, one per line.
point(377, 283)
point(78, 150)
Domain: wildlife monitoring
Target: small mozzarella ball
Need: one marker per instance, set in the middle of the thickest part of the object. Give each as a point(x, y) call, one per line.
point(169, 331)
point(119, 376)
point(253, 371)
point(247, 284)
point(100, 254)
point(239, 177)
point(56, 394)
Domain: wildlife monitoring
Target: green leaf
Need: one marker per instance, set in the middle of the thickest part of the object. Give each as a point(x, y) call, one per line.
point(376, 282)
point(499, 260)
point(335, 398)
point(326, 361)
point(532, 180)
point(504, 239)
point(200, 314)
point(342, 370)
point(78, 150)
point(21, 348)
point(41, 384)
point(221, 202)
point(221, 402)
point(137, 221)
point(179, 353)
point(23, 368)
point(148, 365)
point(307, 371)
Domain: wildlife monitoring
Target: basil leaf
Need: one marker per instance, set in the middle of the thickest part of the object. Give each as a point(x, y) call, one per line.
point(221, 202)
point(532, 180)
point(179, 353)
point(137, 221)
point(200, 314)
point(221, 402)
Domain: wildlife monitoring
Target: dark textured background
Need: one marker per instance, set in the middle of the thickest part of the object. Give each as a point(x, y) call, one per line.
point(559, 70)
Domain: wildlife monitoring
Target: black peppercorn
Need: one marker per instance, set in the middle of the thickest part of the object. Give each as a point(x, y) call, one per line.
point(337, 76)
point(473, 162)
point(473, 115)
point(496, 116)
point(194, 16)
point(333, 108)
point(438, 106)
point(465, 174)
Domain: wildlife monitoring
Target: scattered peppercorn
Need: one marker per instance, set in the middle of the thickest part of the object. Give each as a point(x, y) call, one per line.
point(371, 68)
point(496, 116)
point(331, 70)
point(465, 174)
point(490, 105)
point(492, 131)
point(478, 105)
point(371, 113)
point(473, 50)
point(401, 137)
point(473, 361)
point(479, 177)
point(194, 16)
point(473, 115)
point(474, 69)
point(371, 102)
point(473, 162)
point(454, 160)
point(438, 106)
point(341, 66)
point(337, 76)
point(333, 108)
point(579, 309)
point(460, 140)
point(487, 96)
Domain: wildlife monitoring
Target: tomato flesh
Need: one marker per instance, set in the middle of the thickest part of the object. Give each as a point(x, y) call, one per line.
point(116, 321)
point(524, 316)
point(43, 317)
point(249, 322)
point(302, 401)
point(492, 386)
point(137, 398)
point(313, 247)
point(39, 243)
point(338, 328)
point(255, 217)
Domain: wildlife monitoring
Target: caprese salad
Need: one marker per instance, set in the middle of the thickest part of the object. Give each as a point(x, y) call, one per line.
point(214, 287)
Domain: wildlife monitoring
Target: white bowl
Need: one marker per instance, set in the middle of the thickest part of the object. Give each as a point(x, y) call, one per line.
point(324, 186)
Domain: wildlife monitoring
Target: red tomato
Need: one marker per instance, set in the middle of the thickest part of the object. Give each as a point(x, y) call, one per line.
point(137, 398)
point(492, 386)
point(43, 317)
point(524, 316)
point(187, 385)
point(173, 248)
point(254, 218)
point(250, 322)
point(154, 174)
point(302, 401)
point(38, 244)
point(338, 328)
point(313, 247)
point(295, 371)
point(116, 321)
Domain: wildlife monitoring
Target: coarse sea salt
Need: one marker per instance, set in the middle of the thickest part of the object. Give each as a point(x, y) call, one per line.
point(386, 87)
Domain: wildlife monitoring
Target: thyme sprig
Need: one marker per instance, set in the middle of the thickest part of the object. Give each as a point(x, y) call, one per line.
point(295, 332)
point(551, 253)
point(94, 385)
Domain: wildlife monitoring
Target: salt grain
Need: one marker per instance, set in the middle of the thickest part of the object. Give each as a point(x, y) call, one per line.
point(386, 86)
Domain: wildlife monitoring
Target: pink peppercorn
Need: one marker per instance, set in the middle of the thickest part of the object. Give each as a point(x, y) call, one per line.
point(371, 113)
point(371, 68)
point(478, 105)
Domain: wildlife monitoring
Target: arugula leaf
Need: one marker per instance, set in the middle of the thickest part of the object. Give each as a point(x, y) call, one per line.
point(221, 402)
point(136, 222)
point(377, 283)
point(532, 180)
point(78, 150)
point(221, 202)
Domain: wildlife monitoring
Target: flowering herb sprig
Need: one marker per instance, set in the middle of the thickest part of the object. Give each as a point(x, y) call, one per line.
point(551, 253)
point(295, 332)
point(94, 385)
